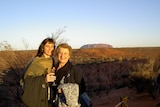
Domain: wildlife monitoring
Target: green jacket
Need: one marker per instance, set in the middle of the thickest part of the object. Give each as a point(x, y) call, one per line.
point(35, 87)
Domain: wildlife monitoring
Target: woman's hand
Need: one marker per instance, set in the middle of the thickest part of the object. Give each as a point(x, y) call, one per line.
point(50, 77)
point(60, 91)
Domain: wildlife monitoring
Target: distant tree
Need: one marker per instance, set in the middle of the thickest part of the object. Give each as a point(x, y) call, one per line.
point(157, 64)
point(57, 36)
point(5, 46)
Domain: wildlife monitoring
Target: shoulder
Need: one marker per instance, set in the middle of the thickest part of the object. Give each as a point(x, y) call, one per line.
point(158, 77)
point(75, 67)
point(77, 70)
point(36, 59)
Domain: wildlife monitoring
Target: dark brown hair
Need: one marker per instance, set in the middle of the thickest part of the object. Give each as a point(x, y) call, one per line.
point(41, 47)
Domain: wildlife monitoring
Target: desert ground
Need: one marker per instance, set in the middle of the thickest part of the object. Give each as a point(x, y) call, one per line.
point(99, 61)
point(111, 99)
point(134, 99)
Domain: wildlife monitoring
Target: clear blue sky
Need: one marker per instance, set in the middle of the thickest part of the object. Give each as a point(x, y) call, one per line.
point(121, 23)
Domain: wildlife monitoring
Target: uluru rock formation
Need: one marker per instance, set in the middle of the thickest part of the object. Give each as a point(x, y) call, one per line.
point(97, 46)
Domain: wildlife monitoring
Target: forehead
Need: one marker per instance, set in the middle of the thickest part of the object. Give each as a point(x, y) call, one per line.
point(49, 43)
point(63, 49)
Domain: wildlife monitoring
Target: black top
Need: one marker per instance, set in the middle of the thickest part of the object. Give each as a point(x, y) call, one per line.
point(72, 74)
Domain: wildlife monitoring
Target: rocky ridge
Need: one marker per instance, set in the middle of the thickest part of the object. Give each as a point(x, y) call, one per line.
point(96, 46)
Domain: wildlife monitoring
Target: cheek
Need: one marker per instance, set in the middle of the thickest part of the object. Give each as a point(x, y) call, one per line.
point(59, 56)
point(68, 57)
point(52, 49)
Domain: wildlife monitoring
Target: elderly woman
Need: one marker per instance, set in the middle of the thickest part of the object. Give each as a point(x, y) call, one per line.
point(69, 78)
point(38, 76)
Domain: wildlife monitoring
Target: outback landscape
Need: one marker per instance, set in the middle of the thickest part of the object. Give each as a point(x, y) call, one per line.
point(110, 74)
point(116, 43)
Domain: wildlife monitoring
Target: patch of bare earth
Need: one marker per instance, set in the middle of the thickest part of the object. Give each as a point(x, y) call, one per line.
point(134, 99)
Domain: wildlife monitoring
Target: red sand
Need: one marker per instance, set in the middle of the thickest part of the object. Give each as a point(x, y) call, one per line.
point(134, 99)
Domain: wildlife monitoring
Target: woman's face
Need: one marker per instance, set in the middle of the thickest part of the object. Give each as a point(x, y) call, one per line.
point(63, 55)
point(48, 49)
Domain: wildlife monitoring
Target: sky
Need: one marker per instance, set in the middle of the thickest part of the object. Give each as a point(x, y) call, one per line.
point(120, 23)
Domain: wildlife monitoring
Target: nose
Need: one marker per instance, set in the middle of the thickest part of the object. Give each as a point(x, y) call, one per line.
point(62, 55)
point(51, 48)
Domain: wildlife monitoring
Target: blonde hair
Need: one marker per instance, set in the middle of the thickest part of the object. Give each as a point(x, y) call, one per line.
point(64, 45)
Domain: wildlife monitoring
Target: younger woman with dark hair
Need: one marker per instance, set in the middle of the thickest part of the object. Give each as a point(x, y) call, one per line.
point(37, 92)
